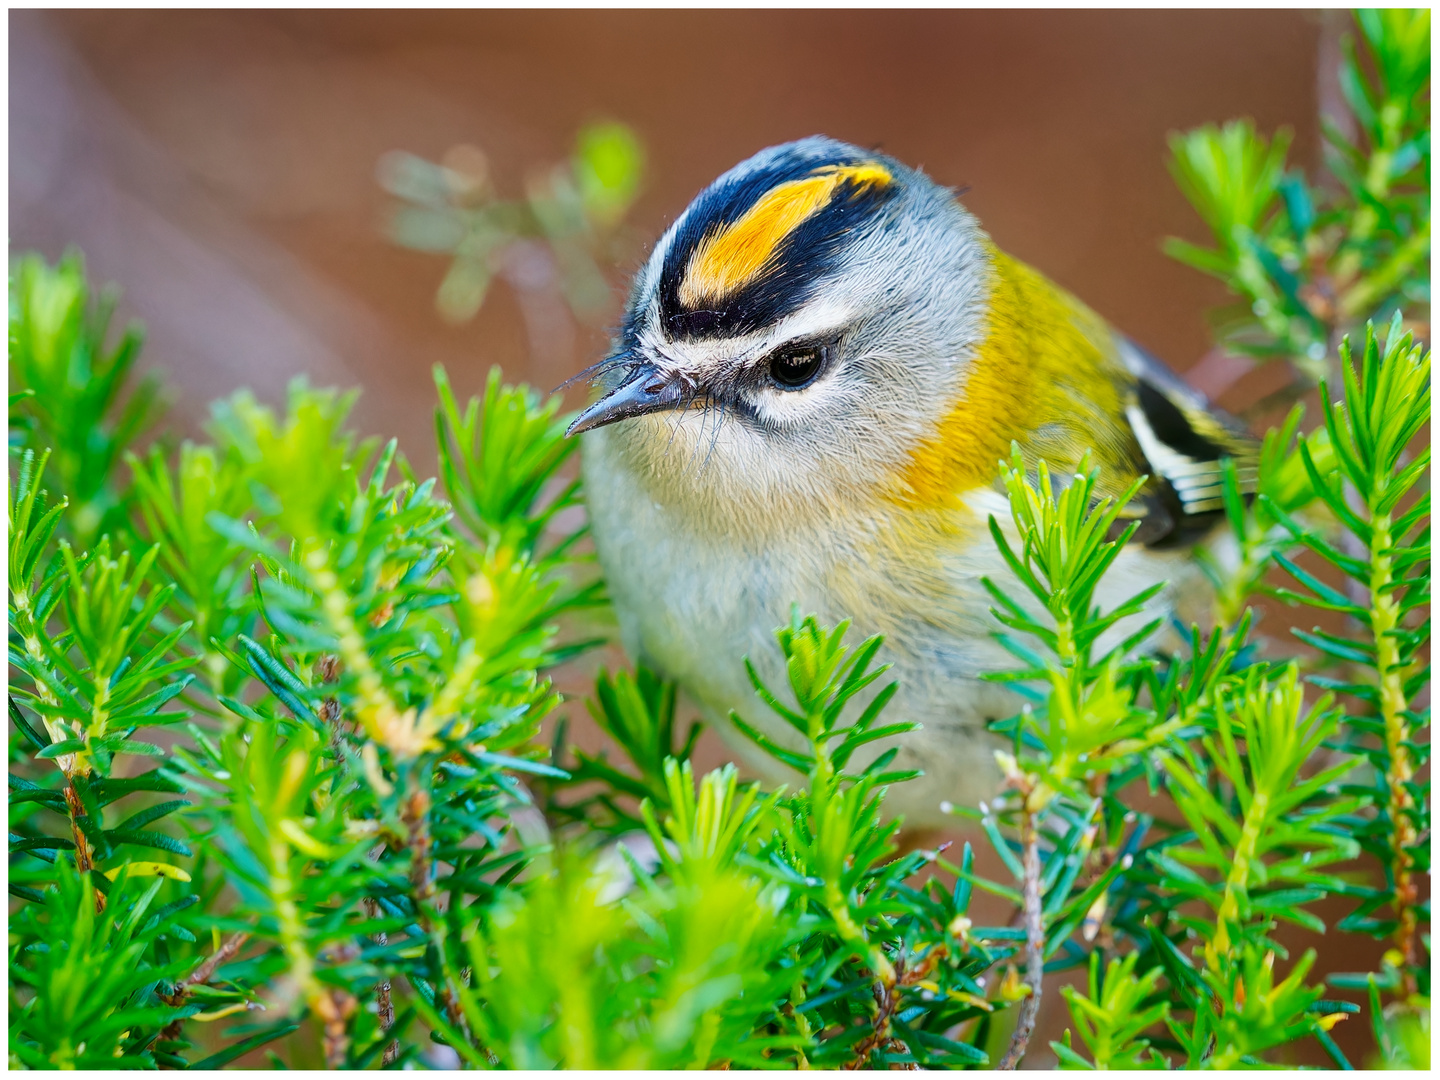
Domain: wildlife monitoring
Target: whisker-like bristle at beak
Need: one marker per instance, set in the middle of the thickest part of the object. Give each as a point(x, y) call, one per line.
point(594, 371)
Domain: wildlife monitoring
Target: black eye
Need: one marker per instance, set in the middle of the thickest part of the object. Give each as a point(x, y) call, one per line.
point(795, 366)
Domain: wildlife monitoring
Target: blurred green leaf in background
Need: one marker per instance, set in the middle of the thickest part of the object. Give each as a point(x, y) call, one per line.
point(569, 220)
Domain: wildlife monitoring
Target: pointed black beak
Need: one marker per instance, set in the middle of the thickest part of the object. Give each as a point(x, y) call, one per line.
point(645, 390)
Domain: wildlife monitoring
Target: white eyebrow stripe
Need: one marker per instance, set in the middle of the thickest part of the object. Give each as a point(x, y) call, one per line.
point(820, 318)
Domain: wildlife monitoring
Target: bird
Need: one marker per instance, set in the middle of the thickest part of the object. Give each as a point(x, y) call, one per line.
point(820, 366)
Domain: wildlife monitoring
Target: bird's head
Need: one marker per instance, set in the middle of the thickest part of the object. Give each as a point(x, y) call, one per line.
point(797, 332)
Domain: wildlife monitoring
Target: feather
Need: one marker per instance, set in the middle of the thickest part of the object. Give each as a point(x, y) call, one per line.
point(1056, 378)
point(1184, 438)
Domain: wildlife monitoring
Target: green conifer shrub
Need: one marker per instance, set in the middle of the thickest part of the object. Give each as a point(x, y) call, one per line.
point(278, 790)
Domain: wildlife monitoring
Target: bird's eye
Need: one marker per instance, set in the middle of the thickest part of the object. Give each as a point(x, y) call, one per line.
point(795, 366)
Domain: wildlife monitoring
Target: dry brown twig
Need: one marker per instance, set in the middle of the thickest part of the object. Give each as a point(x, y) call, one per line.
point(222, 955)
point(201, 975)
point(84, 853)
point(888, 1001)
point(1034, 942)
point(334, 1008)
point(384, 1005)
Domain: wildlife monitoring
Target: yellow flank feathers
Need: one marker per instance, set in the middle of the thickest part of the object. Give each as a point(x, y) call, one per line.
point(732, 258)
point(1046, 376)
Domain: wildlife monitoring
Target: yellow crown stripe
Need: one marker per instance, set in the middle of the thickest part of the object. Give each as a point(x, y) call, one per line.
point(732, 258)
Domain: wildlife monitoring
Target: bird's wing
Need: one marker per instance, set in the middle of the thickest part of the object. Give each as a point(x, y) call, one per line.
point(1183, 437)
point(1055, 378)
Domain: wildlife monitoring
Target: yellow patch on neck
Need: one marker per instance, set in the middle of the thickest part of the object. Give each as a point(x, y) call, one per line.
point(1047, 376)
point(730, 259)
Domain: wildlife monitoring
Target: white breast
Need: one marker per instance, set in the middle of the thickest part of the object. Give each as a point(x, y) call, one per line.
point(694, 604)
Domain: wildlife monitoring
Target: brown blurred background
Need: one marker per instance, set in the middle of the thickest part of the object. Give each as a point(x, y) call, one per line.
point(220, 166)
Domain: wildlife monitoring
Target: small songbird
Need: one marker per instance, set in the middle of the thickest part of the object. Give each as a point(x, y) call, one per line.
point(820, 367)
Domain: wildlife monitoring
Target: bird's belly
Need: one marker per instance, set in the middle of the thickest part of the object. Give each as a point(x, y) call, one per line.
point(694, 606)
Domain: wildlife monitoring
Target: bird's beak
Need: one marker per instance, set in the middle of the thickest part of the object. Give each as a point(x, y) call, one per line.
point(646, 390)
